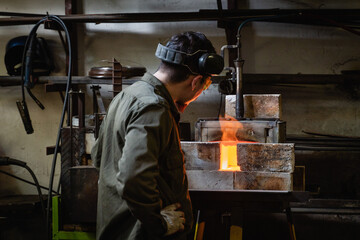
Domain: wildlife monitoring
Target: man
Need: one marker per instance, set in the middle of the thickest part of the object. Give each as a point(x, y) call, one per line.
point(143, 189)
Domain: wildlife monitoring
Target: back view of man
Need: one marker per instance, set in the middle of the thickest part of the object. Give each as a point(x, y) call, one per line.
point(143, 189)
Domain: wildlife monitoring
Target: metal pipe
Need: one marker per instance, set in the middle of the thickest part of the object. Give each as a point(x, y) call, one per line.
point(239, 63)
point(239, 88)
point(347, 16)
point(316, 148)
point(226, 47)
point(81, 108)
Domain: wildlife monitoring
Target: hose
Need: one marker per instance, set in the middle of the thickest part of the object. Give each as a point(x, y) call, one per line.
point(9, 161)
point(23, 180)
point(68, 84)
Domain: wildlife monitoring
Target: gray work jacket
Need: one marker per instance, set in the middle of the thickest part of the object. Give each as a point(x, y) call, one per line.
point(141, 164)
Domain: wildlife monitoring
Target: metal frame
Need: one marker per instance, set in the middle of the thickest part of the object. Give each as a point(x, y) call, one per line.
point(58, 234)
point(241, 201)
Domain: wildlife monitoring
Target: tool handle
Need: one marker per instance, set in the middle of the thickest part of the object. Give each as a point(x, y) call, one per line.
point(25, 116)
point(28, 62)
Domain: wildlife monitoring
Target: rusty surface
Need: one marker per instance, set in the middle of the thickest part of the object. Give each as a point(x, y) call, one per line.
point(262, 181)
point(83, 195)
point(210, 180)
point(239, 180)
point(201, 155)
point(263, 106)
point(66, 164)
point(256, 106)
point(269, 157)
point(72, 154)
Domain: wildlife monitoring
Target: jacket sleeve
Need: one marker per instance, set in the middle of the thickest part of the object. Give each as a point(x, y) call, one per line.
point(97, 148)
point(147, 133)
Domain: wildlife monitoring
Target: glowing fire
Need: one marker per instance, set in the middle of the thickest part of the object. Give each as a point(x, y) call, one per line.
point(228, 145)
point(228, 156)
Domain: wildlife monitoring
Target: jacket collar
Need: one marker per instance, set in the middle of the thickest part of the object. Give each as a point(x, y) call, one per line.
point(162, 91)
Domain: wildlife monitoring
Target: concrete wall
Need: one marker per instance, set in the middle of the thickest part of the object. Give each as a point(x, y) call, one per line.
point(267, 48)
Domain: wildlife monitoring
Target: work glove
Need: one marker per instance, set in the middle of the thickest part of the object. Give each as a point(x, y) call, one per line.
point(175, 220)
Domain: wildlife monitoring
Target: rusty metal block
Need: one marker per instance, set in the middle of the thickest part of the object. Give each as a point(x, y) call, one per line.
point(268, 157)
point(201, 155)
point(256, 106)
point(210, 180)
point(82, 199)
point(262, 181)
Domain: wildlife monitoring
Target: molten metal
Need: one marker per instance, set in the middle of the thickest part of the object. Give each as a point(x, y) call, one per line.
point(228, 156)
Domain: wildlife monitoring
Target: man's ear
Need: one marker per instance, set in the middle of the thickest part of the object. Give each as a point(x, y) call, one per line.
point(196, 82)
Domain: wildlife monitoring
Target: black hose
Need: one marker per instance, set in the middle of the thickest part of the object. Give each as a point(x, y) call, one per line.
point(10, 161)
point(25, 69)
point(51, 181)
point(23, 180)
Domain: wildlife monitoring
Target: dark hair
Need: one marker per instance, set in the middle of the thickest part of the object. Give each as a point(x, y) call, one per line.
point(188, 42)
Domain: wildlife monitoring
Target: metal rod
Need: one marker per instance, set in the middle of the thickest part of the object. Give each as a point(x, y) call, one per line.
point(81, 108)
point(348, 16)
point(316, 148)
point(248, 78)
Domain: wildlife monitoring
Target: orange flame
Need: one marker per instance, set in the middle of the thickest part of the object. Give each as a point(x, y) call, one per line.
point(228, 156)
point(230, 128)
point(228, 144)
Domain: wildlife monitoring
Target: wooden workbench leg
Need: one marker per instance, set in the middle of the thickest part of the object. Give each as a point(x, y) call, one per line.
point(290, 224)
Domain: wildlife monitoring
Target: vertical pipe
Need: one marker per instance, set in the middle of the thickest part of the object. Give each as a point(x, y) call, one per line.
point(95, 106)
point(71, 8)
point(69, 108)
point(81, 109)
point(239, 89)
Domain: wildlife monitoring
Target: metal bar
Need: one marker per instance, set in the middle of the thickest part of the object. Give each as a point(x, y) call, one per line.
point(248, 78)
point(325, 144)
point(331, 135)
point(56, 234)
point(322, 139)
point(346, 15)
point(116, 77)
point(95, 105)
point(325, 211)
point(15, 14)
point(237, 196)
point(100, 102)
point(55, 216)
point(314, 148)
point(81, 109)
point(199, 228)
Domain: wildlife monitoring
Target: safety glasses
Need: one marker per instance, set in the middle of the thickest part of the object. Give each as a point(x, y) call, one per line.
point(207, 82)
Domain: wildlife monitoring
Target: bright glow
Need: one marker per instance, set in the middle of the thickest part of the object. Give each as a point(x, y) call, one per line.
point(228, 156)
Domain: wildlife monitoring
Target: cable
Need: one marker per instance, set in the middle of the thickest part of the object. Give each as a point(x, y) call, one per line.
point(10, 161)
point(23, 180)
point(257, 19)
point(62, 24)
point(51, 180)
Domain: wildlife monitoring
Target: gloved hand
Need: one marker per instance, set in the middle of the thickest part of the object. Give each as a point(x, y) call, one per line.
point(175, 220)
